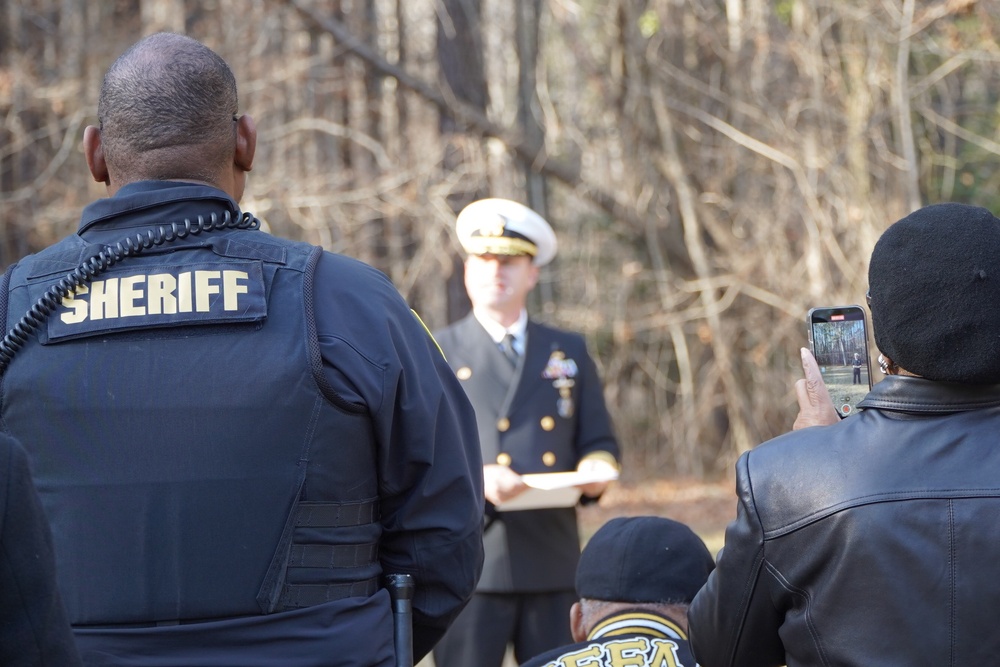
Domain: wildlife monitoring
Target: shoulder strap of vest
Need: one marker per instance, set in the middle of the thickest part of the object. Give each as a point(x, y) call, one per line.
point(274, 593)
point(315, 358)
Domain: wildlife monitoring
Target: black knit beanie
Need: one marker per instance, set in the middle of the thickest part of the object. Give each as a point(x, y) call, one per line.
point(934, 283)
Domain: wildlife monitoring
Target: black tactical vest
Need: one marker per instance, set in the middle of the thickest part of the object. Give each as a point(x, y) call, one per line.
point(186, 455)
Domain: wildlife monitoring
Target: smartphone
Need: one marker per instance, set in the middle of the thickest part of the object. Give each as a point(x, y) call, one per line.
point(838, 337)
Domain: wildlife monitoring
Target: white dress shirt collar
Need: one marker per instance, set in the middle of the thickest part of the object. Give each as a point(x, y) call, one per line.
point(497, 331)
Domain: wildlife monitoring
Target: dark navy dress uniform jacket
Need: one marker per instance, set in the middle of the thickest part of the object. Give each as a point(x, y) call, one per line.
point(234, 437)
point(523, 424)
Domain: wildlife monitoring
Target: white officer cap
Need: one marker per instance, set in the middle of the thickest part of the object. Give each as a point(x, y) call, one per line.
point(504, 227)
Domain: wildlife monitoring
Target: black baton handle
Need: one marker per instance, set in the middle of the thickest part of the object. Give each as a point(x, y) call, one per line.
point(401, 587)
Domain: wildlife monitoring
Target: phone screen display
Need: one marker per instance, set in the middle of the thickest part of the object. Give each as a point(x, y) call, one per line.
point(839, 340)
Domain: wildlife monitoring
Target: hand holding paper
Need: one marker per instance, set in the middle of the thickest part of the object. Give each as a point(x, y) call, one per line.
point(602, 470)
point(555, 489)
point(501, 484)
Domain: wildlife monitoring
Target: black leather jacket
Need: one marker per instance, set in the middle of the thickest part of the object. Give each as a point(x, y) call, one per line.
point(875, 541)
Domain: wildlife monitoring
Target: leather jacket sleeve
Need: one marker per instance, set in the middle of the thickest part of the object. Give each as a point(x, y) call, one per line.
point(733, 620)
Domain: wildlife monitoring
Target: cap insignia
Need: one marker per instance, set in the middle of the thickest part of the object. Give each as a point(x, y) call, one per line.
point(495, 228)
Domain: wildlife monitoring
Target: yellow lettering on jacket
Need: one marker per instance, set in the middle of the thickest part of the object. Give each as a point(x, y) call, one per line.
point(586, 657)
point(154, 294)
point(77, 306)
point(184, 292)
point(633, 652)
point(627, 652)
point(104, 299)
point(205, 285)
point(231, 288)
point(160, 290)
point(663, 654)
point(130, 293)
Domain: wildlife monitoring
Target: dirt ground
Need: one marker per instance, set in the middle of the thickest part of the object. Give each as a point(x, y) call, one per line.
point(706, 507)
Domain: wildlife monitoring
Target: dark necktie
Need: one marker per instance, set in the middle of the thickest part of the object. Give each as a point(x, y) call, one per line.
point(507, 347)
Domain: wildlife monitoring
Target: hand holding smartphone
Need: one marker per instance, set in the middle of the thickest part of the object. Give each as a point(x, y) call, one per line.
point(838, 337)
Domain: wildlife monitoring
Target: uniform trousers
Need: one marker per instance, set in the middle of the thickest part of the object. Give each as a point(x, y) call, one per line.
point(533, 622)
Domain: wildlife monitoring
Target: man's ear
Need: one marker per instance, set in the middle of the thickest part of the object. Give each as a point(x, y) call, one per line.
point(246, 143)
point(94, 151)
point(576, 623)
point(534, 274)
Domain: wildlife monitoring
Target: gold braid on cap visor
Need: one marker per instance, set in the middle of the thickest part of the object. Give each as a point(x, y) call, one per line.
point(499, 245)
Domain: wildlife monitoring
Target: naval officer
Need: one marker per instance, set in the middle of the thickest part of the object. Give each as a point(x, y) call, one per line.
point(234, 436)
point(540, 408)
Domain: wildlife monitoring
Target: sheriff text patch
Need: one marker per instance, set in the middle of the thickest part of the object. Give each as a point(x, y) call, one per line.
point(163, 296)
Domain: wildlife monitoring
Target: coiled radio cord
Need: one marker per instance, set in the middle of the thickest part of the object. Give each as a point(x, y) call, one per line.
point(85, 273)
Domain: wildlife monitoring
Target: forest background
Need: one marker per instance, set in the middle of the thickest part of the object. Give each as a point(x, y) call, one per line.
point(713, 168)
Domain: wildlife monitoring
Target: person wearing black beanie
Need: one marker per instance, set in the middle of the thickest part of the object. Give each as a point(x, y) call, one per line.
point(934, 286)
point(872, 540)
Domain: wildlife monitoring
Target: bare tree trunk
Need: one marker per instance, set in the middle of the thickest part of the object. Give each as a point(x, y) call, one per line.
point(460, 56)
point(460, 59)
point(674, 171)
point(529, 115)
point(7, 23)
point(901, 100)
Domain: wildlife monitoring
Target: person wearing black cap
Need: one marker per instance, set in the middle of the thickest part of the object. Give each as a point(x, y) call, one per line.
point(540, 408)
point(873, 540)
point(635, 580)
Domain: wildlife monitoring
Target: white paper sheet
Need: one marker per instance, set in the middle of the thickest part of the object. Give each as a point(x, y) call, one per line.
point(554, 489)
